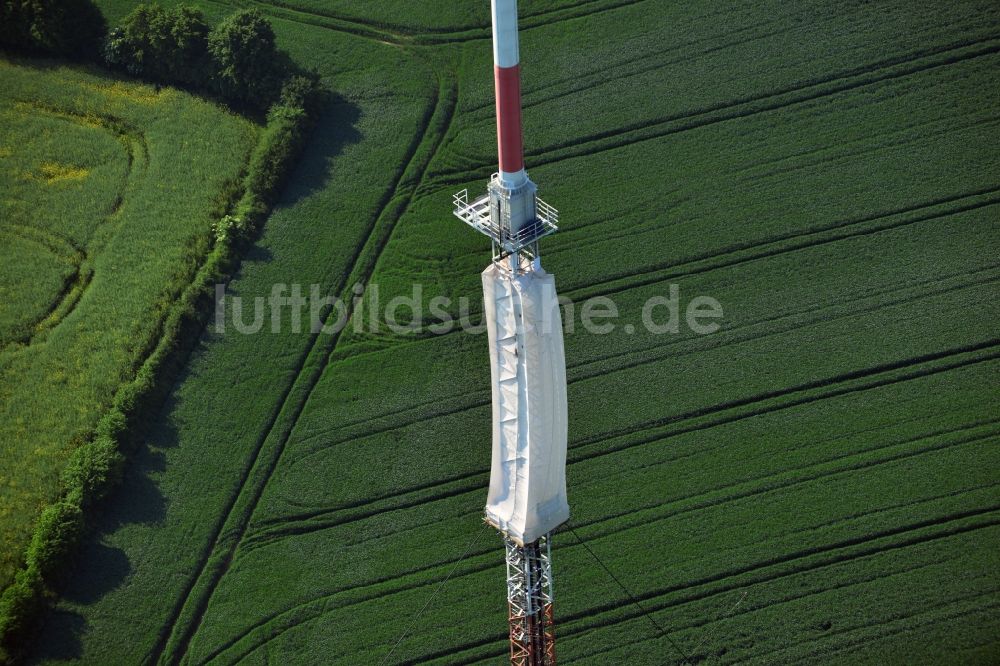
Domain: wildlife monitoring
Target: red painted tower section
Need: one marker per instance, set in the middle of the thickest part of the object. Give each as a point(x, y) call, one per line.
point(507, 77)
point(529, 436)
point(509, 133)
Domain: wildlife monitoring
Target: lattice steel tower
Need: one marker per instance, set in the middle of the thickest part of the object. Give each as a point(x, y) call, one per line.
point(527, 495)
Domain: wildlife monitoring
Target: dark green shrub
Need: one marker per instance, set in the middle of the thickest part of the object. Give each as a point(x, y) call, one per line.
point(56, 534)
point(301, 91)
point(131, 396)
point(288, 122)
point(15, 32)
point(140, 43)
point(93, 469)
point(238, 59)
point(118, 52)
point(248, 67)
point(188, 59)
point(125, 399)
point(278, 145)
point(57, 27)
point(163, 45)
point(112, 425)
point(18, 607)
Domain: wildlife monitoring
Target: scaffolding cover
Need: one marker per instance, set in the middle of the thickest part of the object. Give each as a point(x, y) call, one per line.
point(527, 496)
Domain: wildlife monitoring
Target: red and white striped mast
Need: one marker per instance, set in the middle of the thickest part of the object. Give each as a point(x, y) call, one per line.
point(507, 79)
point(527, 494)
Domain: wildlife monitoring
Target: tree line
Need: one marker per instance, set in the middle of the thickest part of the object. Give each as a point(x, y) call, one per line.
point(236, 60)
point(54, 27)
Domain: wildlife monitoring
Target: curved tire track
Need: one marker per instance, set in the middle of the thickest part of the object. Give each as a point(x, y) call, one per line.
point(695, 420)
point(186, 619)
point(862, 547)
point(136, 148)
point(811, 90)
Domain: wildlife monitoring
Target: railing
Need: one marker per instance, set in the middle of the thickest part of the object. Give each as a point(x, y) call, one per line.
point(477, 215)
point(547, 213)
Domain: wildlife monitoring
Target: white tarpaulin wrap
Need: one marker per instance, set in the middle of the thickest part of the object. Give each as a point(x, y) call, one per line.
point(527, 496)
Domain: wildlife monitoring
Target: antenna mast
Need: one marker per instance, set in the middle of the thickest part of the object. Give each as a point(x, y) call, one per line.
point(527, 494)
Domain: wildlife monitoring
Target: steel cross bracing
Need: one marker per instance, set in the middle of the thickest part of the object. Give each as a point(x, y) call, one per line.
point(515, 219)
point(529, 596)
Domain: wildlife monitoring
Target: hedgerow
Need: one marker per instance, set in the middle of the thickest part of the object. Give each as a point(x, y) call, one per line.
point(698, 510)
point(19, 604)
point(95, 468)
point(238, 59)
point(163, 45)
point(58, 530)
point(92, 469)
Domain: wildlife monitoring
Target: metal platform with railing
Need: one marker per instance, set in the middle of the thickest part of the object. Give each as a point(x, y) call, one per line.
point(477, 214)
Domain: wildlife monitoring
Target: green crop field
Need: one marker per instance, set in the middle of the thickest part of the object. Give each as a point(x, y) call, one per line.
point(815, 482)
point(106, 194)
